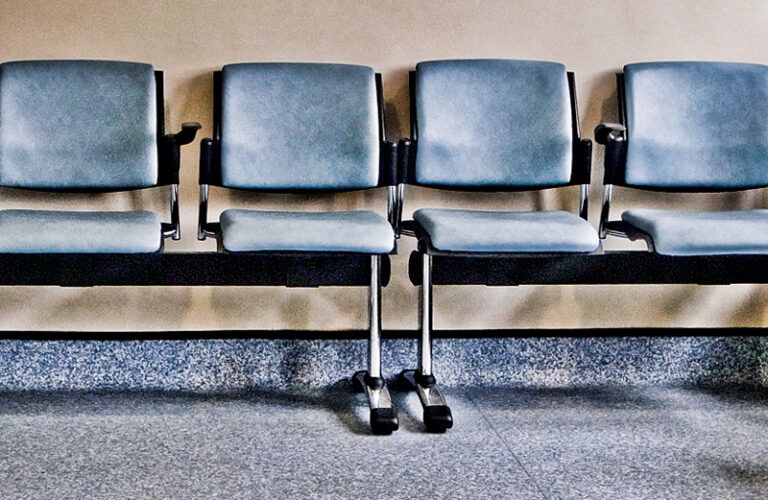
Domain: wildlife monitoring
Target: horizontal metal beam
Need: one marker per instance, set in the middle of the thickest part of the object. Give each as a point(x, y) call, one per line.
point(296, 269)
point(609, 268)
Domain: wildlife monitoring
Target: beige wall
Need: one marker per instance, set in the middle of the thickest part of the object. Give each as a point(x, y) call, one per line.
point(189, 39)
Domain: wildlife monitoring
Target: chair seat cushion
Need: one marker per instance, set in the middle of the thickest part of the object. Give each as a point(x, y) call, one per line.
point(502, 232)
point(263, 231)
point(49, 231)
point(703, 233)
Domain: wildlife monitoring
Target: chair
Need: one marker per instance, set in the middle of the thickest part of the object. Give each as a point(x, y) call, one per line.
point(489, 125)
point(306, 128)
point(83, 126)
point(691, 127)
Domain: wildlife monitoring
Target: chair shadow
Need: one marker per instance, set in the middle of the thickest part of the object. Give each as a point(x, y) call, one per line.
point(338, 399)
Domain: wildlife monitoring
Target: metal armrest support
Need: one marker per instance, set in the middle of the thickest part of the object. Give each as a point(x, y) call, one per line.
point(405, 149)
point(614, 137)
point(170, 157)
point(210, 173)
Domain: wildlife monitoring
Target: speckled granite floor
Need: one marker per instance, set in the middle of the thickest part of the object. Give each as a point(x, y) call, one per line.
point(237, 364)
point(588, 442)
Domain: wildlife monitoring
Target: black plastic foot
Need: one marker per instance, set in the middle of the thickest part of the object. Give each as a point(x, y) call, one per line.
point(383, 416)
point(437, 419)
point(437, 414)
point(384, 421)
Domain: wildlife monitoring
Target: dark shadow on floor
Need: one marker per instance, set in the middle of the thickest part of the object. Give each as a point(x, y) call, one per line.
point(338, 399)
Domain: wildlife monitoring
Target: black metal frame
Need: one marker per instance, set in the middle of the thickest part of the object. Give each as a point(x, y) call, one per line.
point(188, 269)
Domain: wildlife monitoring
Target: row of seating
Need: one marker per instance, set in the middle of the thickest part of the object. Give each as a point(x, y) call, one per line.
point(478, 125)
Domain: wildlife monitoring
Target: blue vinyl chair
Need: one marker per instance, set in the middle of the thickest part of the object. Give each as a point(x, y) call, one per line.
point(306, 128)
point(690, 127)
point(85, 126)
point(488, 125)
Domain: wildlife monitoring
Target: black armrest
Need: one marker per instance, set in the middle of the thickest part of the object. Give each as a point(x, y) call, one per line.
point(210, 162)
point(187, 133)
point(614, 137)
point(388, 165)
point(404, 156)
point(170, 152)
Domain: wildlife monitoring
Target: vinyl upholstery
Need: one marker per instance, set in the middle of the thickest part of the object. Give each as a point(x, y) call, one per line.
point(697, 125)
point(295, 126)
point(50, 231)
point(493, 123)
point(259, 231)
point(78, 125)
point(478, 231)
point(703, 233)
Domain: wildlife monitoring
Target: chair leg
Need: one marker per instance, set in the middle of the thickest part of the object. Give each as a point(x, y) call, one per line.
point(383, 415)
point(437, 414)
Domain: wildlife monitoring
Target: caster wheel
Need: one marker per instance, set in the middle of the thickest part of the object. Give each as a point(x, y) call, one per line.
point(438, 419)
point(357, 382)
point(384, 421)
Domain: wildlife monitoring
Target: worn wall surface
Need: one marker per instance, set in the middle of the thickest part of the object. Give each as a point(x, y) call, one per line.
point(190, 39)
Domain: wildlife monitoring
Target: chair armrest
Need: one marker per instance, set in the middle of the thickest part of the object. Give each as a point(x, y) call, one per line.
point(187, 133)
point(388, 165)
point(404, 157)
point(170, 152)
point(210, 162)
point(614, 137)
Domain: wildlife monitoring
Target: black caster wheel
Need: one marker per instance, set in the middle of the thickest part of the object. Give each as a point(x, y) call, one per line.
point(437, 419)
point(384, 421)
point(357, 382)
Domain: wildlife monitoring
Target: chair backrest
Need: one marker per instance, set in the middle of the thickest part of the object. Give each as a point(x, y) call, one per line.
point(299, 126)
point(698, 126)
point(492, 123)
point(78, 125)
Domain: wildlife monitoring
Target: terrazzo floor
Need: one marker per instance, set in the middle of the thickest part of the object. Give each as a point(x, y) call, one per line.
point(589, 442)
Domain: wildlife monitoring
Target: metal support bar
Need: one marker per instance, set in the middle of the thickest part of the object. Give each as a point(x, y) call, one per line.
point(383, 415)
point(584, 201)
point(202, 215)
point(425, 314)
point(374, 319)
point(605, 211)
point(173, 230)
point(400, 203)
point(392, 208)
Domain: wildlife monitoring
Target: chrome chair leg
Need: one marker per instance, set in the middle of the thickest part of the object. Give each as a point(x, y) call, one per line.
point(383, 415)
point(437, 414)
